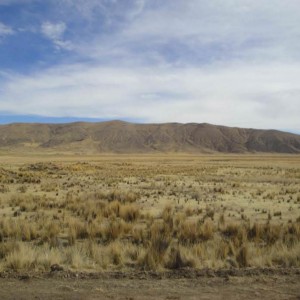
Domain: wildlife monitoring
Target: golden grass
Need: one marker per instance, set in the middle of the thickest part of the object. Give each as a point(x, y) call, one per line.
point(149, 212)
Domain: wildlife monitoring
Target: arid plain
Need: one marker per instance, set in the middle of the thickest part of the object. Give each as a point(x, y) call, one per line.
point(149, 216)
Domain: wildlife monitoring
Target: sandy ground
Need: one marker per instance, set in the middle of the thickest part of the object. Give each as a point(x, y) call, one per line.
point(275, 286)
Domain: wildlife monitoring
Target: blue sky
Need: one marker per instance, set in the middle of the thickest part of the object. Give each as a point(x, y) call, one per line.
point(234, 63)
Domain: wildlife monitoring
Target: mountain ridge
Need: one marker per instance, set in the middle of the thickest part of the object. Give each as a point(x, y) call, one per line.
point(123, 137)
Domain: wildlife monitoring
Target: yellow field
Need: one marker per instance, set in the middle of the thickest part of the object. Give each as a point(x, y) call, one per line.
point(153, 212)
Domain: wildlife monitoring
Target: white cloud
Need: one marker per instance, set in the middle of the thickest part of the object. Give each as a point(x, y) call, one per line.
point(55, 32)
point(191, 32)
point(261, 96)
point(259, 27)
point(226, 19)
point(5, 30)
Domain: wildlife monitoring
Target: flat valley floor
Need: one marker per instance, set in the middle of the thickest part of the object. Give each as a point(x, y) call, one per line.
point(149, 226)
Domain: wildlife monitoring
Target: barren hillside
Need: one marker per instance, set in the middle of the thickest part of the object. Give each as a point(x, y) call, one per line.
point(123, 137)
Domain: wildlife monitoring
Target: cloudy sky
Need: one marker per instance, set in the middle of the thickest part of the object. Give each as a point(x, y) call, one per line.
point(233, 62)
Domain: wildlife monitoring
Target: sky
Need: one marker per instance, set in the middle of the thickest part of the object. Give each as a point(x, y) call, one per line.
point(233, 62)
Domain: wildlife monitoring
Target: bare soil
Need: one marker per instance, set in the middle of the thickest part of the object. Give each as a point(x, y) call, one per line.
point(182, 284)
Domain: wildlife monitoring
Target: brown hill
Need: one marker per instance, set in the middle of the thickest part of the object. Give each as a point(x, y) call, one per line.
point(123, 137)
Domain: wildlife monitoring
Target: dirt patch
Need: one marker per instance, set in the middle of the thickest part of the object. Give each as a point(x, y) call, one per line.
point(184, 284)
point(152, 275)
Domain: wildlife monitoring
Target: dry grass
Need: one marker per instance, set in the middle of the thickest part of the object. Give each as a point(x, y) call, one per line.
point(150, 213)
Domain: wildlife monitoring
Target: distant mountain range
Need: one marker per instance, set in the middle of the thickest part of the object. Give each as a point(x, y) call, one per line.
point(123, 137)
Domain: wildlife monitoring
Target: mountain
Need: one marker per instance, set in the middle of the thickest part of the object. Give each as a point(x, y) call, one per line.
point(123, 137)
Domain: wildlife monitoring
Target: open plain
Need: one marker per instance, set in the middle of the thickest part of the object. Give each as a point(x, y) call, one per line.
point(170, 226)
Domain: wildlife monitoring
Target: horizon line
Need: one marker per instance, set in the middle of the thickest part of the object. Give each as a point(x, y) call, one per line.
point(37, 119)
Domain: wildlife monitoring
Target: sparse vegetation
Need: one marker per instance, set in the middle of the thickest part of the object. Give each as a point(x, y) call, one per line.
point(150, 213)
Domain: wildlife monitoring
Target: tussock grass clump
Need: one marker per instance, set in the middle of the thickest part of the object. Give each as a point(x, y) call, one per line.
point(129, 212)
point(243, 257)
point(18, 229)
point(167, 215)
point(77, 230)
point(113, 229)
point(192, 232)
point(189, 232)
point(159, 241)
point(121, 196)
point(21, 257)
point(177, 259)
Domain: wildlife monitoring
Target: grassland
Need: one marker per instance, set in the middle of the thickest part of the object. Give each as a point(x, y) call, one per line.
point(156, 212)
